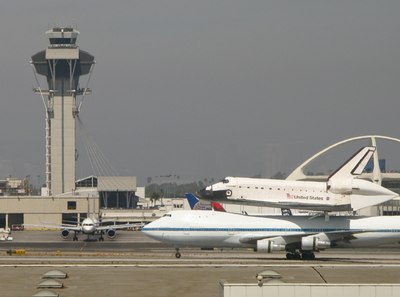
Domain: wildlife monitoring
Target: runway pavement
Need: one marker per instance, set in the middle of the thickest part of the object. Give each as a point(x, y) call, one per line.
point(135, 247)
point(52, 241)
point(134, 265)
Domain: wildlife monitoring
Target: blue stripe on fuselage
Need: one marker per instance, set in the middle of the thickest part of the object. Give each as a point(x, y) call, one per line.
point(305, 230)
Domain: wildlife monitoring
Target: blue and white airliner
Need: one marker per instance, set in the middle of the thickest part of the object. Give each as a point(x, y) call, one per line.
point(299, 236)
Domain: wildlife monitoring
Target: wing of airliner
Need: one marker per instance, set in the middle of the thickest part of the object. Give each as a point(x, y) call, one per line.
point(119, 226)
point(77, 228)
point(311, 241)
point(333, 236)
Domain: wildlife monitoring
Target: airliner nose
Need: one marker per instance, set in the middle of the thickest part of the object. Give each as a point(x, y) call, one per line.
point(149, 230)
point(145, 230)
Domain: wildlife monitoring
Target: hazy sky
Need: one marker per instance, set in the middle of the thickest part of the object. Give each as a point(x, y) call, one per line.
point(207, 88)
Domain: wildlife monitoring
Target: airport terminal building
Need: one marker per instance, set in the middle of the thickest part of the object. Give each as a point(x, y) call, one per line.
point(91, 196)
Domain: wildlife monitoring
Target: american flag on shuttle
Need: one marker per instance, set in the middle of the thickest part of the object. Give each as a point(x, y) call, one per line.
point(289, 196)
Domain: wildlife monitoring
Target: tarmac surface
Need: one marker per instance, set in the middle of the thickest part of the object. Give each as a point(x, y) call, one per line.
point(134, 265)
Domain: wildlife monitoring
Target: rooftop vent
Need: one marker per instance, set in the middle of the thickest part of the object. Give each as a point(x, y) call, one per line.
point(50, 283)
point(55, 274)
point(45, 294)
point(268, 276)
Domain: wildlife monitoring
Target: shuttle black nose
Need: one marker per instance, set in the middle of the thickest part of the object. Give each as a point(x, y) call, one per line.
point(208, 194)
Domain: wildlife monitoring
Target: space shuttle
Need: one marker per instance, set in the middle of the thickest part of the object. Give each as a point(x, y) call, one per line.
point(343, 191)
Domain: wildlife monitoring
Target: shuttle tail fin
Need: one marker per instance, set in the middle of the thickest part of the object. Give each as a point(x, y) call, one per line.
point(362, 193)
point(355, 165)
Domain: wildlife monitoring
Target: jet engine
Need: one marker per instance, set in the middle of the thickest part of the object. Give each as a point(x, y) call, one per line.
point(111, 233)
point(315, 243)
point(271, 244)
point(340, 186)
point(64, 233)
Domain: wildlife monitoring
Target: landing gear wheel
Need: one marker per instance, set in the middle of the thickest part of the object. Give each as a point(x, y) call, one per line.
point(177, 254)
point(308, 256)
point(101, 238)
point(293, 256)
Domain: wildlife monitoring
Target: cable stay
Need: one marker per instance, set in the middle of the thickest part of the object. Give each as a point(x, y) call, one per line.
point(98, 162)
point(86, 90)
point(40, 92)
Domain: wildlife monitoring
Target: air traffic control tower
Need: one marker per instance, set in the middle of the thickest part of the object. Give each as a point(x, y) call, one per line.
point(62, 62)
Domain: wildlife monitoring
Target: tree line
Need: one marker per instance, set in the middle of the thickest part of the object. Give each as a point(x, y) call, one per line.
point(172, 189)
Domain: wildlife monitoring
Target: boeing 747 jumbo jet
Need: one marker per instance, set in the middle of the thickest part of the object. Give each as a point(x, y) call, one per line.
point(299, 236)
point(343, 191)
point(89, 226)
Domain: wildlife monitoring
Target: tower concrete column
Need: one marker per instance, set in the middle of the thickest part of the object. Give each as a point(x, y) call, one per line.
point(62, 62)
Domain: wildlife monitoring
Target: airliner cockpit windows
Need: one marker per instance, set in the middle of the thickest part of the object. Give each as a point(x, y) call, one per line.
point(225, 181)
point(167, 215)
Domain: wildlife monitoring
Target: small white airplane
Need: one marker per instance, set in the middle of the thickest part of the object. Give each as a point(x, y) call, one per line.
point(299, 236)
point(343, 191)
point(89, 226)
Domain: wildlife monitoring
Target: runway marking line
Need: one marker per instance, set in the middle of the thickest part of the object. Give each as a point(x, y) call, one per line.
point(199, 265)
